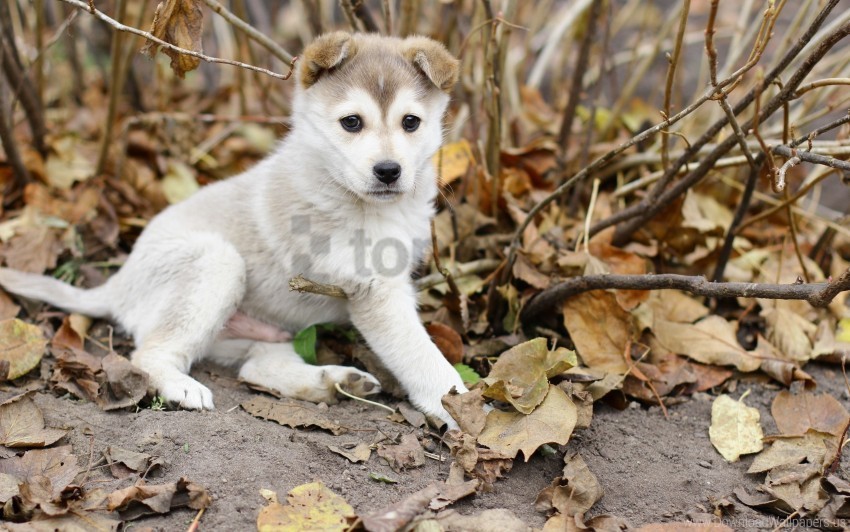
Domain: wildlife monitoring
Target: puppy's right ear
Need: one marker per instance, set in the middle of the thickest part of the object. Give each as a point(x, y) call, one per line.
point(326, 52)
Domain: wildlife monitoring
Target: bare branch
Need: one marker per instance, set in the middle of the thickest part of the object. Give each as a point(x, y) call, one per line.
point(816, 294)
point(147, 35)
point(260, 38)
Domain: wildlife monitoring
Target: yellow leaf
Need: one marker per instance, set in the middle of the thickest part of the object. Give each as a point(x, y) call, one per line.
point(735, 428)
point(453, 160)
point(308, 507)
point(551, 422)
point(179, 182)
point(66, 165)
point(21, 348)
point(843, 330)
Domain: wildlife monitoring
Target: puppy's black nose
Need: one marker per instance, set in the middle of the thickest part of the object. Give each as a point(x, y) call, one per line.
point(387, 171)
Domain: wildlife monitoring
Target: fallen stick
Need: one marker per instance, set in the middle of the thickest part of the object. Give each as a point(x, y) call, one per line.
point(816, 294)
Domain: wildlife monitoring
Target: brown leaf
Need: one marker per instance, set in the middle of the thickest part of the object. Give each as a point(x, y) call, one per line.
point(669, 305)
point(524, 270)
point(397, 515)
point(447, 340)
point(796, 414)
point(814, 447)
point(521, 375)
point(50, 470)
point(125, 463)
point(21, 347)
point(33, 249)
point(789, 332)
point(406, 455)
point(125, 384)
point(145, 499)
point(575, 492)
point(710, 341)
point(551, 422)
point(600, 330)
point(181, 23)
point(467, 409)
point(8, 308)
point(22, 424)
point(623, 262)
point(293, 414)
point(451, 493)
point(357, 453)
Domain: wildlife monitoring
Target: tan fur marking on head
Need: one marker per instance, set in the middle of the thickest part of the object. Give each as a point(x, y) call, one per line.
point(432, 58)
point(326, 52)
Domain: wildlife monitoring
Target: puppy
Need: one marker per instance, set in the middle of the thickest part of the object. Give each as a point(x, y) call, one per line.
point(346, 199)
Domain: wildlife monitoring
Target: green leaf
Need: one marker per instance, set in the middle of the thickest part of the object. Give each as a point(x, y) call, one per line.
point(468, 374)
point(305, 344)
point(377, 477)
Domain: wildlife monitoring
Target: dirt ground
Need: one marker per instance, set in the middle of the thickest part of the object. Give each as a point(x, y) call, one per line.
point(652, 469)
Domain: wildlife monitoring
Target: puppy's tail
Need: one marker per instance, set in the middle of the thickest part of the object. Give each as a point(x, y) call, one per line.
point(93, 302)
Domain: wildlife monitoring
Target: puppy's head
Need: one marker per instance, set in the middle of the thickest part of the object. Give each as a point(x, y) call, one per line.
point(373, 107)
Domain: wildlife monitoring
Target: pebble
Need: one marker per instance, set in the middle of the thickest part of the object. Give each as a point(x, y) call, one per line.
point(703, 463)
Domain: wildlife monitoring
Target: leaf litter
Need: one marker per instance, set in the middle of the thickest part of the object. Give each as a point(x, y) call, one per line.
point(76, 220)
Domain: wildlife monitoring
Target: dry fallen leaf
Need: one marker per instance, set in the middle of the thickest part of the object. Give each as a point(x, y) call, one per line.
point(447, 340)
point(575, 492)
point(46, 472)
point(292, 414)
point(600, 330)
point(452, 161)
point(406, 455)
point(521, 375)
point(551, 422)
point(309, 507)
point(22, 425)
point(21, 348)
point(181, 23)
point(789, 332)
point(710, 341)
point(467, 409)
point(735, 428)
point(145, 499)
point(796, 414)
point(355, 453)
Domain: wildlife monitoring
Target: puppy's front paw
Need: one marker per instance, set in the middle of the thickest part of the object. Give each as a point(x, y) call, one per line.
point(184, 391)
point(352, 380)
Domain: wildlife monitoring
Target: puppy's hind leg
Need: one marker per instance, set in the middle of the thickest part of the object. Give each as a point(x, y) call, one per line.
point(194, 290)
point(278, 367)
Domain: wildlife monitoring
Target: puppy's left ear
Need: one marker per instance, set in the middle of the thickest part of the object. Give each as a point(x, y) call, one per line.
point(326, 52)
point(432, 58)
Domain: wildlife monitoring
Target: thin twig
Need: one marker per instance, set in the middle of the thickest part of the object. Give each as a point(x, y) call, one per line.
point(116, 86)
point(809, 157)
point(816, 294)
point(362, 400)
point(20, 172)
point(740, 212)
point(821, 83)
point(779, 183)
point(303, 285)
point(147, 35)
point(671, 76)
point(576, 83)
point(260, 38)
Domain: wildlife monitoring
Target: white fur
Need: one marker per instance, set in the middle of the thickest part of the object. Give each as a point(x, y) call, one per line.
point(235, 245)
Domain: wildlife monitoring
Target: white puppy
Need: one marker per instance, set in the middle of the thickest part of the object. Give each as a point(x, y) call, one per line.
point(346, 199)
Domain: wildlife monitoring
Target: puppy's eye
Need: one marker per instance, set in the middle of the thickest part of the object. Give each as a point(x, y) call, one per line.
point(351, 123)
point(410, 123)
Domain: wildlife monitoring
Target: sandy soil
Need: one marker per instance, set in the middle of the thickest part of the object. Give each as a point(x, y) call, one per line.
point(652, 469)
